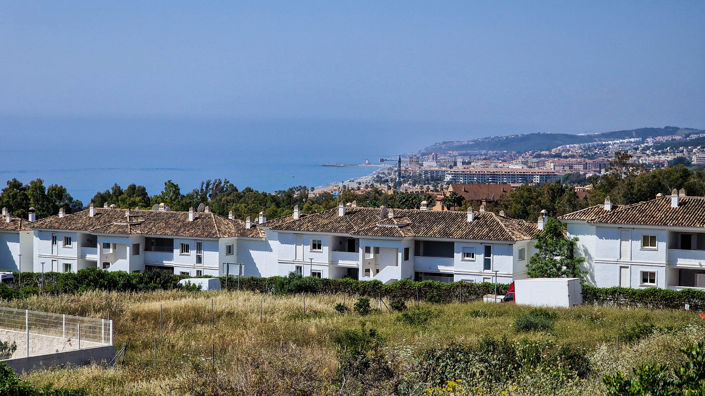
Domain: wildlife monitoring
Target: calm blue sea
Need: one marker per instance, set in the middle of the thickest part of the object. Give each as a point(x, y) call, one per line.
point(87, 155)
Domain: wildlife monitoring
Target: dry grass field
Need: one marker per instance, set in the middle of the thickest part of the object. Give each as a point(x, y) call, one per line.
point(248, 343)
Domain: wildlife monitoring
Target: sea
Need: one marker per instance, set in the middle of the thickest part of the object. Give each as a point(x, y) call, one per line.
point(87, 155)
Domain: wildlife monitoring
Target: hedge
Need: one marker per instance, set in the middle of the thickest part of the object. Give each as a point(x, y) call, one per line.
point(649, 298)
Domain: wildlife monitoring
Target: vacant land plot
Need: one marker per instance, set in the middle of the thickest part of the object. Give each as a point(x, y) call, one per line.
point(246, 343)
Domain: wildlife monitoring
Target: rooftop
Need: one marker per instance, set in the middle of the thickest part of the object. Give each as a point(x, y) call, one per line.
point(360, 221)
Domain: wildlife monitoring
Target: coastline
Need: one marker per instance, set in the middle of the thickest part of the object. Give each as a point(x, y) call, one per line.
point(351, 183)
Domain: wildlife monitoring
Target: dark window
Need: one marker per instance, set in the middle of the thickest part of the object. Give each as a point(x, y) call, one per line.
point(158, 244)
point(53, 239)
point(686, 240)
point(299, 270)
point(106, 265)
point(316, 274)
point(406, 254)
point(199, 272)
point(135, 249)
point(433, 249)
point(488, 258)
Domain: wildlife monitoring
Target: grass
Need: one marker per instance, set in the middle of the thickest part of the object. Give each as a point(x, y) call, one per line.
point(293, 352)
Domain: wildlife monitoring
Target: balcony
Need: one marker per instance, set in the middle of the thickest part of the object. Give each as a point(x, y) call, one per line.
point(681, 258)
point(345, 259)
point(89, 253)
point(158, 258)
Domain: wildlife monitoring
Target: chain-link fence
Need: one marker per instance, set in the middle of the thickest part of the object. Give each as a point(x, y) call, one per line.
point(38, 333)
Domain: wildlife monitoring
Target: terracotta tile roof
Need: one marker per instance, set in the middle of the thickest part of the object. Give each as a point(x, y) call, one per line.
point(657, 212)
point(409, 223)
point(148, 222)
point(479, 192)
point(15, 224)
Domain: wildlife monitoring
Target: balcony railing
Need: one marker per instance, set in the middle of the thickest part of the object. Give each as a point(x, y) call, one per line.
point(686, 258)
point(89, 251)
point(346, 259)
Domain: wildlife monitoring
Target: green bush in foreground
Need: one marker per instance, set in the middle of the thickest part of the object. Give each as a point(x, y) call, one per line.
point(535, 320)
point(12, 385)
point(362, 306)
point(689, 379)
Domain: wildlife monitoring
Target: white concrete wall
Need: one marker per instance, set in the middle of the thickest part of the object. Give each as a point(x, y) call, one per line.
point(258, 256)
point(10, 250)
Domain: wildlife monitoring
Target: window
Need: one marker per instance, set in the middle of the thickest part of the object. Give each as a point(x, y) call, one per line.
point(199, 259)
point(53, 239)
point(299, 270)
point(487, 262)
point(376, 250)
point(648, 241)
point(434, 249)
point(316, 245)
point(368, 252)
point(67, 241)
point(316, 274)
point(107, 247)
point(106, 265)
point(158, 244)
point(648, 278)
point(135, 249)
point(185, 249)
point(199, 247)
point(199, 272)
point(229, 250)
point(406, 254)
point(67, 267)
point(185, 273)
point(468, 254)
point(522, 254)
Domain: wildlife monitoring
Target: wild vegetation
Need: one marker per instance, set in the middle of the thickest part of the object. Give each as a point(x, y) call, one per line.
point(267, 344)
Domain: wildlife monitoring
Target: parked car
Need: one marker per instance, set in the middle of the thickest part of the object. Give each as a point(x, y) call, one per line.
point(509, 297)
point(6, 277)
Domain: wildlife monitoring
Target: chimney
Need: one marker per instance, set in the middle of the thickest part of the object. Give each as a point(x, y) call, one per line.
point(341, 210)
point(540, 223)
point(482, 207)
point(262, 218)
point(354, 204)
point(91, 210)
point(161, 206)
point(501, 213)
point(4, 211)
point(61, 212)
point(608, 203)
point(32, 215)
point(383, 211)
point(248, 223)
point(127, 214)
point(674, 198)
point(297, 214)
point(207, 210)
point(8, 217)
point(659, 195)
point(424, 205)
point(105, 205)
point(191, 214)
point(681, 192)
point(390, 213)
point(231, 216)
point(471, 215)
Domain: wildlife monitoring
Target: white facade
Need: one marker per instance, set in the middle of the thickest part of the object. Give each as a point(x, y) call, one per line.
point(15, 250)
point(640, 256)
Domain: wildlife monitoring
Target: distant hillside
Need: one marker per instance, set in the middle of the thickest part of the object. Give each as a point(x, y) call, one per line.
point(548, 141)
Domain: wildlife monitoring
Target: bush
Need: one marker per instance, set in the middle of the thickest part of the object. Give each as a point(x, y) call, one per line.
point(11, 384)
point(398, 304)
point(7, 349)
point(362, 360)
point(476, 313)
point(341, 308)
point(636, 332)
point(649, 298)
point(417, 317)
point(362, 306)
point(535, 320)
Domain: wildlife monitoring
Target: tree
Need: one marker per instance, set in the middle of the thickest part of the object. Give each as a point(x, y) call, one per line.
point(556, 254)
point(453, 200)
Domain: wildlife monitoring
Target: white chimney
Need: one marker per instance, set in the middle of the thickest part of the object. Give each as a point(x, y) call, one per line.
point(262, 218)
point(608, 203)
point(424, 205)
point(231, 216)
point(297, 214)
point(471, 215)
point(248, 223)
point(501, 213)
point(383, 211)
point(105, 205)
point(674, 198)
point(341, 210)
point(659, 195)
point(390, 213)
point(207, 210)
point(91, 210)
point(191, 214)
point(354, 204)
point(61, 212)
point(482, 208)
point(32, 215)
point(681, 192)
point(8, 217)
point(162, 207)
point(540, 223)
point(4, 212)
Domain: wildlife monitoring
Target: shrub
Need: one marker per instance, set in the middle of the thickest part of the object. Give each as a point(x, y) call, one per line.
point(11, 384)
point(7, 349)
point(476, 313)
point(362, 360)
point(398, 304)
point(362, 306)
point(636, 332)
point(417, 317)
point(341, 308)
point(535, 320)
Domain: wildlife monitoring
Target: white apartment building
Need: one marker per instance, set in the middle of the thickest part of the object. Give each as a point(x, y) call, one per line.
point(656, 243)
point(15, 242)
point(187, 243)
point(391, 244)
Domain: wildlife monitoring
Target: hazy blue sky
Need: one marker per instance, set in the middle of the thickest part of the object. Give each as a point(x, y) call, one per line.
point(547, 66)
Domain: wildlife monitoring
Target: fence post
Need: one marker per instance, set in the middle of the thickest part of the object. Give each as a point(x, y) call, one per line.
point(102, 331)
point(26, 325)
point(160, 319)
point(213, 311)
point(111, 332)
point(79, 336)
point(63, 326)
point(155, 353)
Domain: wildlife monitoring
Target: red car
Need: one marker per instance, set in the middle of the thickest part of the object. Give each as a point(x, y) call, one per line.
point(509, 297)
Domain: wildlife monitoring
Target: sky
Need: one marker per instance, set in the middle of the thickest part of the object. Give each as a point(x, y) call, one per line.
point(492, 66)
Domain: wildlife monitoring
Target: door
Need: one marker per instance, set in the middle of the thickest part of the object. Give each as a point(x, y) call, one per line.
point(624, 277)
point(686, 240)
point(625, 244)
point(299, 253)
point(54, 266)
point(487, 259)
